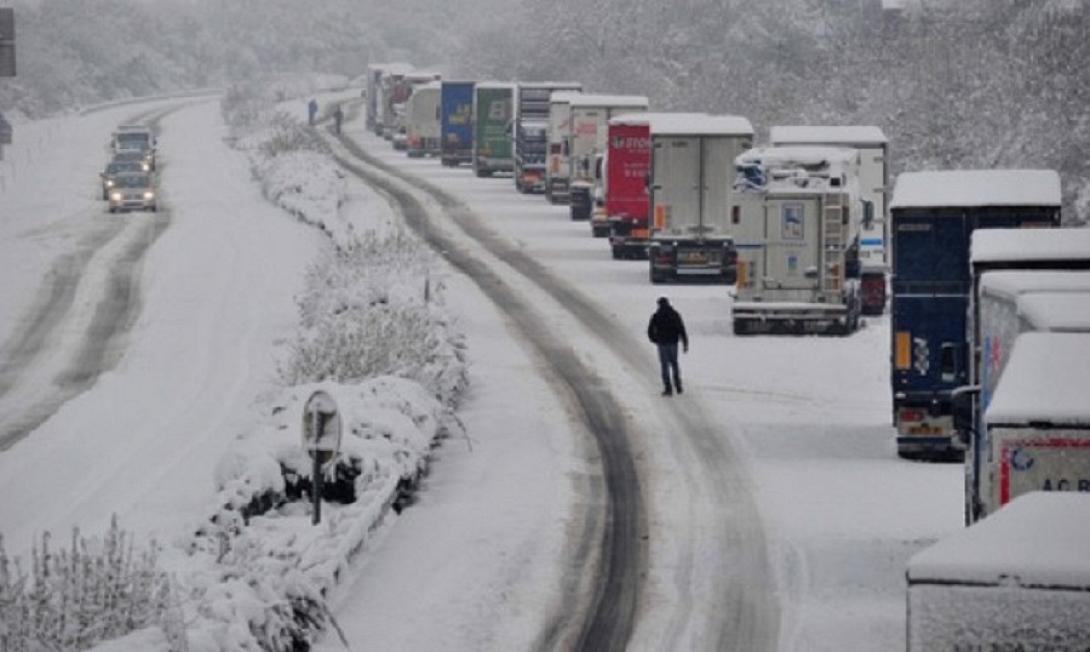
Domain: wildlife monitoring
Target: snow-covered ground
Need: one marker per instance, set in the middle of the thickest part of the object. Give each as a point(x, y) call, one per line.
point(216, 293)
point(812, 415)
point(477, 561)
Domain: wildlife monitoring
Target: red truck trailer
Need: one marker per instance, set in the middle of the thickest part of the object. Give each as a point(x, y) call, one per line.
point(628, 164)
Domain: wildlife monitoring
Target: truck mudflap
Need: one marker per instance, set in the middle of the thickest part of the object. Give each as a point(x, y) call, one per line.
point(751, 318)
point(627, 240)
point(599, 223)
point(873, 291)
point(558, 191)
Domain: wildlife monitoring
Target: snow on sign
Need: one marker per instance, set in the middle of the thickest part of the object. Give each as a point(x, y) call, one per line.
point(321, 427)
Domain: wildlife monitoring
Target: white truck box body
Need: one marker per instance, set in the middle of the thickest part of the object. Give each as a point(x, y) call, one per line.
point(590, 115)
point(799, 217)
point(1018, 580)
point(693, 175)
point(422, 116)
point(557, 162)
point(1038, 420)
point(873, 147)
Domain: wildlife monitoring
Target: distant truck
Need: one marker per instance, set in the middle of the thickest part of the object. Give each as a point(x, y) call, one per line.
point(692, 178)
point(796, 224)
point(456, 122)
point(422, 121)
point(531, 132)
point(493, 111)
point(1024, 280)
point(557, 158)
point(933, 217)
point(396, 90)
point(135, 139)
point(1015, 581)
point(589, 121)
point(380, 82)
point(874, 163)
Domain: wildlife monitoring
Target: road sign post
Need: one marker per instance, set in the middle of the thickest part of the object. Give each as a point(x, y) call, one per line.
point(321, 440)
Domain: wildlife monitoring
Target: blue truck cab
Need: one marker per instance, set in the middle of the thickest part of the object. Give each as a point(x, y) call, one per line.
point(456, 122)
point(934, 215)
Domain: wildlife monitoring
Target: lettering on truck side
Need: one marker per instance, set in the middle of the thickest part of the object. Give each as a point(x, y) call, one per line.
point(1052, 464)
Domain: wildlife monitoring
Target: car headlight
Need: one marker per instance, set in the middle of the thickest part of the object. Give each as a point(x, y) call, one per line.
point(109, 183)
point(149, 195)
point(116, 196)
point(146, 166)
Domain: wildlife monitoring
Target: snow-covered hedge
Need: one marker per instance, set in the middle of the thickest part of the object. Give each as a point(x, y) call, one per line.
point(373, 333)
point(373, 310)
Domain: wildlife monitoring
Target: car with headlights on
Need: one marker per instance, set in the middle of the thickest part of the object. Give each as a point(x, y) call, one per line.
point(115, 168)
point(133, 191)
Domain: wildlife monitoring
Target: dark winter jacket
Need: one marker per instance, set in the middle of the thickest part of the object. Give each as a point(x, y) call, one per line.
point(666, 327)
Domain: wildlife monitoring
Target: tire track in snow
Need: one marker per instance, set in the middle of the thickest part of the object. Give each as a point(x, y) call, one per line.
point(102, 343)
point(744, 582)
point(603, 620)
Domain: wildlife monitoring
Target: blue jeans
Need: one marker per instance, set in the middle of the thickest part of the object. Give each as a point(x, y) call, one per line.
point(668, 362)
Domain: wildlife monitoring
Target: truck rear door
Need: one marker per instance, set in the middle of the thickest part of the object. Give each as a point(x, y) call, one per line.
point(676, 189)
point(792, 242)
point(717, 176)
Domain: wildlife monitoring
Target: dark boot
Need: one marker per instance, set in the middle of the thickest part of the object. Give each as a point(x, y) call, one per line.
point(668, 392)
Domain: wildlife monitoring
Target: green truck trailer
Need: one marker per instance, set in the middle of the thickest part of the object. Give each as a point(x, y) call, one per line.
point(492, 110)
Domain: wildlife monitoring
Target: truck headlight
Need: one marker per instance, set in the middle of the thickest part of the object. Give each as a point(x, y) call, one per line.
point(115, 196)
point(149, 195)
point(109, 183)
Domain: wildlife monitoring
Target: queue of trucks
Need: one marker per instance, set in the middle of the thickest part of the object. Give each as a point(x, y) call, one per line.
point(805, 228)
point(989, 297)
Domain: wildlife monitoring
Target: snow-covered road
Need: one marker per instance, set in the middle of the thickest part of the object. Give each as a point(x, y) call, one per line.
point(772, 510)
point(840, 511)
point(202, 307)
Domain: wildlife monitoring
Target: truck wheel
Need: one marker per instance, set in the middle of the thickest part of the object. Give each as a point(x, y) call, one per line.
point(657, 278)
point(616, 252)
point(484, 173)
point(600, 232)
point(741, 327)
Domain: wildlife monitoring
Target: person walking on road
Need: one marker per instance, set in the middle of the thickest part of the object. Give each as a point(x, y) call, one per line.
point(312, 112)
point(338, 118)
point(665, 329)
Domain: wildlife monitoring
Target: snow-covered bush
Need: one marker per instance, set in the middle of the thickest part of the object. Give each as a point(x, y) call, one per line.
point(373, 311)
point(93, 590)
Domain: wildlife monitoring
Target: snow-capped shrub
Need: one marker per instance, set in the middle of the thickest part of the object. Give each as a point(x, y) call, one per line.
point(372, 311)
point(94, 590)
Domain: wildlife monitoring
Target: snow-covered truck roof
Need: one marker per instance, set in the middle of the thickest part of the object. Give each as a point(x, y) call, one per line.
point(422, 76)
point(693, 124)
point(1056, 312)
point(798, 156)
point(551, 84)
point(496, 84)
point(586, 100)
point(976, 188)
point(649, 118)
point(1036, 540)
point(855, 136)
point(1045, 380)
point(1010, 284)
point(563, 97)
point(995, 245)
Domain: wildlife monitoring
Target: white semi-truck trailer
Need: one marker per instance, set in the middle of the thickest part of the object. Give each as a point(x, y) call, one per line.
point(692, 190)
point(874, 162)
point(796, 226)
